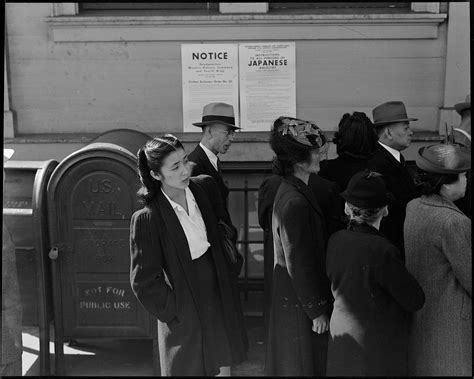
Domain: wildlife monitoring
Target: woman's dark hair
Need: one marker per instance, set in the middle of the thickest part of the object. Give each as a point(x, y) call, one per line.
point(287, 150)
point(151, 157)
point(356, 136)
point(429, 183)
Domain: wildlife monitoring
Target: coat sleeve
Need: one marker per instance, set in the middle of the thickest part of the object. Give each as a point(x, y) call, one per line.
point(147, 277)
point(301, 258)
point(457, 247)
point(209, 185)
point(393, 276)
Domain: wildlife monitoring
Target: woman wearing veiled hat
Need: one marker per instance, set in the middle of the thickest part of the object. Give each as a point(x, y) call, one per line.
point(438, 253)
point(373, 291)
point(301, 297)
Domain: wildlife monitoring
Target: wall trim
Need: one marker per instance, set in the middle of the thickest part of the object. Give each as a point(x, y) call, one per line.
point(244, 137)
point(244, 27)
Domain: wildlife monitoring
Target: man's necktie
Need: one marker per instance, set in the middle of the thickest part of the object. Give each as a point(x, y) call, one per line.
point(219, 170)
point(402, 161)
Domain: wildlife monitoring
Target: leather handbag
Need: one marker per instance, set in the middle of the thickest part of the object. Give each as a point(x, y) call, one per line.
point(226, 234)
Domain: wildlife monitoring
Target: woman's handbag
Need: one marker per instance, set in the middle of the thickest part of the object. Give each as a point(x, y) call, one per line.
point(227, 235)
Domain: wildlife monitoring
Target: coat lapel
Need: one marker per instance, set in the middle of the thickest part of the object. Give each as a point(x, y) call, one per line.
point(174, 231)
point(389, 157)
point(306, 192)
point(210, 170)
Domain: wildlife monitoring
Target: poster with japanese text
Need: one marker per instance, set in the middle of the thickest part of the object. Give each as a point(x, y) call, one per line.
point(210, 74)
point(267, 83)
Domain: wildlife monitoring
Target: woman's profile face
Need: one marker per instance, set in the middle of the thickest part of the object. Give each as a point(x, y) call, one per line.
point(312, 165)
point(457, 190)
point(175, 171)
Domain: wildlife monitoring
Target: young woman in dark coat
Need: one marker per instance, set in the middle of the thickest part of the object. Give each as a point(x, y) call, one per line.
point(179, 271)
point(301, 297)
point(373, 291)
point(355, 143)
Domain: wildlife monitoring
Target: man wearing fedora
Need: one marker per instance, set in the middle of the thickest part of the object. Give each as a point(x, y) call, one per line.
point(218, 130)
point(394, 135)
point(462, 135)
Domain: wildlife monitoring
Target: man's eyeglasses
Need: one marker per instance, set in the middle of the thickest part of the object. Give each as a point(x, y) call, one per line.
point(228, 133)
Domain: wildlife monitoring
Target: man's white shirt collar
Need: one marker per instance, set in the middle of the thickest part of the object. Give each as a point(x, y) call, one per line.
point(395, 153)
point(212, 157)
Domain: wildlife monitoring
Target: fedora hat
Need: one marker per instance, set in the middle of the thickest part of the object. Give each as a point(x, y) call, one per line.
point(465, 105)
point(366, 189)
point(444, 158)
point(390, 112)
point(217, 112)
point(7, 154)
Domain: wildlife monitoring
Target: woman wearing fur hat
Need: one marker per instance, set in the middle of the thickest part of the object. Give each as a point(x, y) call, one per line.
point(439, 255)
point(301, 297)
point(373, 292)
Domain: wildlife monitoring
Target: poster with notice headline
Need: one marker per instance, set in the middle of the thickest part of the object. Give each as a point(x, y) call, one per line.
point(267, 83)
point(210, 74)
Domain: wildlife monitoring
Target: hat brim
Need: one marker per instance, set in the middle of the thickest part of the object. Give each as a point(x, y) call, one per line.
point(366, 203)
point(462, 106)
point(376, 124)
point(202, 124)
point(429, 166)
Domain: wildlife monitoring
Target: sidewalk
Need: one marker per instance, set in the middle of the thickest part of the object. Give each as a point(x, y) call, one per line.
point(119, 357)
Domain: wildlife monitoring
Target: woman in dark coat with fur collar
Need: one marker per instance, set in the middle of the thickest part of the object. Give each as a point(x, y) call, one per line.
point(301, 298)
point(179, 271)
point(373, 291)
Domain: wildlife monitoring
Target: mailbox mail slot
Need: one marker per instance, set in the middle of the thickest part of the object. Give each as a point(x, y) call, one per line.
point(91, 198)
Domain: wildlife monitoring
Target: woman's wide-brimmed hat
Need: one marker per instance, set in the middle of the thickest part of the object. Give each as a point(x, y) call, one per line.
point(218, 112)
point(7, 154)
point(465, 105)
point(444, 158)
point(366, 189)
point(306, 133)
point(390, 112)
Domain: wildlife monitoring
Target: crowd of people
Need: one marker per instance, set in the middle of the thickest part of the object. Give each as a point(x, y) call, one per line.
point(367, 262)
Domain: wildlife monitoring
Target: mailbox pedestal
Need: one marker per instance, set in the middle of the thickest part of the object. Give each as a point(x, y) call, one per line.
point(91, 197)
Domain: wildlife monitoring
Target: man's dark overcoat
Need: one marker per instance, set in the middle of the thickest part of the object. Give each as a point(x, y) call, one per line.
point(331, 204)
point(400, 184)
point(163, 280)
point(204, 166)
point(373, 293)
point(301, 290)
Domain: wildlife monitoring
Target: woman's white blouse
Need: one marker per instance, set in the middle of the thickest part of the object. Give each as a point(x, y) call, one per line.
point(192, 224)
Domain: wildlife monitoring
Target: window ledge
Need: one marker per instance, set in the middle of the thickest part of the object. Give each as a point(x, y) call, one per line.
point(276, 27)
point(243, 137)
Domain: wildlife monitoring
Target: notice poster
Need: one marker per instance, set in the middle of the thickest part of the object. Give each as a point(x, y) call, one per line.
point(210, 74)
point(267, 83)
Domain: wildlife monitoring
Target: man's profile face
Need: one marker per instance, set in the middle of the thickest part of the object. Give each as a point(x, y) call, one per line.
point(220, 137)
point(399, 135)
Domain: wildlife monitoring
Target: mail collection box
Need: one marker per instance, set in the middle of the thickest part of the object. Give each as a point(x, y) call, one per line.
point(25, 215)
point(91, 198)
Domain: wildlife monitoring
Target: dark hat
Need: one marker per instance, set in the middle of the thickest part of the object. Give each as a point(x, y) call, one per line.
point(462, 106)
point(217, 112)
point(444, 158)
point(390, 112)
point(366, 189)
